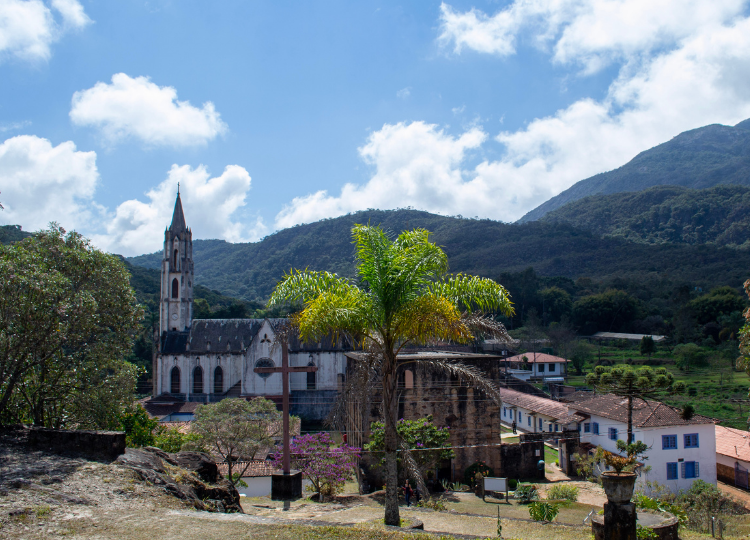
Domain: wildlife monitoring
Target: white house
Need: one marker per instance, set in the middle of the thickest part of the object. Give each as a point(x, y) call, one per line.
point(535, 414)
point(732, 456)
point(543, 366)
point(679, 450)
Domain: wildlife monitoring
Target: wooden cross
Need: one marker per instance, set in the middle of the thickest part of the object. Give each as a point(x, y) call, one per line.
point(285, 370)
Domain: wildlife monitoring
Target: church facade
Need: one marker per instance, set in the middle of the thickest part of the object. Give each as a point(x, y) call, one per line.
point(207, 360)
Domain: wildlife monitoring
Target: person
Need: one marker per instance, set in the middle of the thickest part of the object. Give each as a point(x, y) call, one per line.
point(407, 493)
point(514, 426)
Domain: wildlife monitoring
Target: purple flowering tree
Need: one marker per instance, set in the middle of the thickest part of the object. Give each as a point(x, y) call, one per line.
point(326, 465)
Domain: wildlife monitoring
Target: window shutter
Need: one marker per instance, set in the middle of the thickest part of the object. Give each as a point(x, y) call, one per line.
point(683, 469)
point(697, 470)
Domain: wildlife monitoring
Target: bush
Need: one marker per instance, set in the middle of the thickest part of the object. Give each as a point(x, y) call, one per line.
point(168, 439)
point(512, 483)
point(435, 504)
point(542, 511)
point(703, 501)
point(563, 492)
point(472, 470)
point(644, 533)
point(526, 493)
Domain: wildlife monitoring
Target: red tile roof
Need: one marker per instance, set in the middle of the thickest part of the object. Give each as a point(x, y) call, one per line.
point(538, 358)
point(646, 413)
point(547, 407)
point(733, 443)
point(255, 468)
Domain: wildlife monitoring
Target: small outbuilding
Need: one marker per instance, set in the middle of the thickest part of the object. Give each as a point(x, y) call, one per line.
point(732, 456)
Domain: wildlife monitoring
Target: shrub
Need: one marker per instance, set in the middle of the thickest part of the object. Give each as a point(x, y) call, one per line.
point(563, 492)
point(512, 483)
point(168, 439)
point(472, 470)
point(435, 504)
point(526, 493)
point(542, 511)
point(703, 501)
point(644, 533)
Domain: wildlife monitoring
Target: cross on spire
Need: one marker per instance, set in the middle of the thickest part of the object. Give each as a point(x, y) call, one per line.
point(285, 370)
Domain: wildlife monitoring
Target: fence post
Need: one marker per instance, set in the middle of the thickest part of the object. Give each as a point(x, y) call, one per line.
point(713, 527)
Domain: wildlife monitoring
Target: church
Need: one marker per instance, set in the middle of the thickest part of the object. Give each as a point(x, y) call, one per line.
point(207, 360)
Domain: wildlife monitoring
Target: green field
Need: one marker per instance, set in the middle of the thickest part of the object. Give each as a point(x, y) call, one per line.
point(710, 389)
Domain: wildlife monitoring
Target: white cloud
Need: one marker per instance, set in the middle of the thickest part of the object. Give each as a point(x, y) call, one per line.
point(702, 80)
point(404, 93)
point(28, 28)
point(211, 207)
point(592, 33)
point(13, 126)
point(42, 183)
point(415, 164)
point(136, 107)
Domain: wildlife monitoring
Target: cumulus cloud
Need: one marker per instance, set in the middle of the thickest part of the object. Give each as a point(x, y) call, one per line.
point(28, 28)
point(42, 183)
point(138, 108)
point(211, 208)
point(592, 33)
point(404, 93)
point(702, 79)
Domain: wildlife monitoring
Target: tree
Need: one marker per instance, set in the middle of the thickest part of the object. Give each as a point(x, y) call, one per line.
point(648, 346)
point(426, 441)
point(236, 430)
point(326, 465)
point(138, 426)
point(689, 354)
point(631, 384)
point(609, 311)
point(581, 353)
point(67, 320)
point(403, 295)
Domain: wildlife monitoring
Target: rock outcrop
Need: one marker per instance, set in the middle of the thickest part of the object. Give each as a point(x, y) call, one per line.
point(190, 476)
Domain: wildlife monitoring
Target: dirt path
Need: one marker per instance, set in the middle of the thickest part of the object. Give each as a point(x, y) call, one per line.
point(739, 494)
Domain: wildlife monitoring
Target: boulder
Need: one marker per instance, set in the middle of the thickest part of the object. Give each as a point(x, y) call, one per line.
point(135, 458)
point(199, 463)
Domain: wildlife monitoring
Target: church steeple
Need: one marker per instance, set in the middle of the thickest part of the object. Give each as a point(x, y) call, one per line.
point(177, 274)
point(178, 217)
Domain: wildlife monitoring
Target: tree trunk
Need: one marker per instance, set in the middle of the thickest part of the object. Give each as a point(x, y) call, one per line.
point(390, 411)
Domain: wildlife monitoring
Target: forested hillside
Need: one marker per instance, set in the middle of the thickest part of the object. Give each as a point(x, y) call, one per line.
point(488, 248)
point(12, 233)
point(665, 214)
point(701, 158)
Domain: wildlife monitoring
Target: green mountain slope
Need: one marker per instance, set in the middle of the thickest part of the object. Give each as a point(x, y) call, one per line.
point(700, 158)
point(12, 233)
point(484, 247)
point(665, 214)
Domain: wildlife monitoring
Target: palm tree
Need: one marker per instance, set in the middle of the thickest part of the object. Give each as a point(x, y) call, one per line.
point(403, 295)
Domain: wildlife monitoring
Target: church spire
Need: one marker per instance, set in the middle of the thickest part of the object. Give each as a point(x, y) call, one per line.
point(178, 218)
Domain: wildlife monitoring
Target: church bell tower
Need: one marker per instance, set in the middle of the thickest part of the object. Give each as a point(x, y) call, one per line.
point(176, 312)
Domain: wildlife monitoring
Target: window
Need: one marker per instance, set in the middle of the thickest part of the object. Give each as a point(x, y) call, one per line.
point(175, 288)
point(587, 427)
point(595, 427)
point(198, 380)
point(311, 377)
point(505, 411)
point(690, 469)
point(175, 380)
point(671, 471)
point(264, 362)
point(541, 368)
point(632, 438)
point(528, 420)
point(408, 379)
point(541, 426)
point(550, 428)
point(613, 433)
point(519, 416)
point(691, 441)
point(218, 380)
point(669, 442)
point(551, 368)
point(174, 263)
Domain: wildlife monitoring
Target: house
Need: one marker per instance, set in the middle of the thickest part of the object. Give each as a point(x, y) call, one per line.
point(732, 456)
point(207, 360)
point(536, 414)
point(680, 450)
point(257, 477)
point(542, 366)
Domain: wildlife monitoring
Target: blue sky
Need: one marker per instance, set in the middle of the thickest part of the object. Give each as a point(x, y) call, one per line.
point(271, 114)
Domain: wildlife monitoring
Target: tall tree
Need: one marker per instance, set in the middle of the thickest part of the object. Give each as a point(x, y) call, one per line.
point(631, 384)
point(648, 346)
point(67, 320)
point(403, 295)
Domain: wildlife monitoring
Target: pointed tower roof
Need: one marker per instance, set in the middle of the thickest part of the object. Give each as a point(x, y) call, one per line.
point(178, 218)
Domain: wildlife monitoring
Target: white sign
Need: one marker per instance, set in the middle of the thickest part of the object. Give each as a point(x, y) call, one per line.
point(495, 484)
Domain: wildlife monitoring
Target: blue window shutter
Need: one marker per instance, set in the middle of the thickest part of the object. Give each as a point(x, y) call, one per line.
point(683, 469)
point(697, 470)
point(528, 420)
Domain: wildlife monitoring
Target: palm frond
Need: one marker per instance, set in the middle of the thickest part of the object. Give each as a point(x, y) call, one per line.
point(412, 469)
point(470, 375)
point(470, 292)
point(346, 310)
point(306, 285)
point(481, 325)
point(431, 317)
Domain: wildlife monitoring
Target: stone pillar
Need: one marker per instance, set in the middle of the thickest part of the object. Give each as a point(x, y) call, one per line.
point(619, 521)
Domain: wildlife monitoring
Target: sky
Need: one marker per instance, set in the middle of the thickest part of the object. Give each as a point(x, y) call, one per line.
point(271, 114)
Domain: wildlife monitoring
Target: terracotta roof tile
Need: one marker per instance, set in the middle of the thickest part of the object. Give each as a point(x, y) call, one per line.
point(646, 413)
point(733, 443)
point(538, 358)
point(548, 407)
point(255, 468)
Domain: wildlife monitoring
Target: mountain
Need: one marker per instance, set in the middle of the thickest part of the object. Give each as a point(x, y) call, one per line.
point(698, 159)
point(12, 233)
point(484, 247)
point(665, 214)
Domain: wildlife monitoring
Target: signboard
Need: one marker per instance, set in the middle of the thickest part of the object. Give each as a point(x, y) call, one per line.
point(495, 484)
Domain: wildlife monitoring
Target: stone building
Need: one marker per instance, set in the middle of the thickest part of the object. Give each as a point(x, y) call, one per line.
point(205, 360)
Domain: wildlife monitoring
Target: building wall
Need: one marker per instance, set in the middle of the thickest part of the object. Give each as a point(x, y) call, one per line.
point(658, 458)
point(507, 414)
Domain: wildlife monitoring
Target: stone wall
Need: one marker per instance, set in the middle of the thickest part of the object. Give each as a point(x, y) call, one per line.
point(90, 443)
point(725, 474)
point(520, 460)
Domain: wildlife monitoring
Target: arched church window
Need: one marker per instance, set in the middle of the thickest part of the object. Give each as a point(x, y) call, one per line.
point(264, 362)
point(175, 380)
point(175, 288)
point(176, 258)
point(218, 380)
point(311, 377)
point(408, 379)
point(198, 380)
